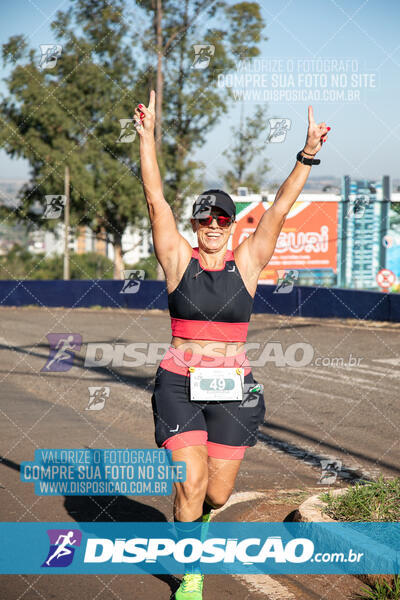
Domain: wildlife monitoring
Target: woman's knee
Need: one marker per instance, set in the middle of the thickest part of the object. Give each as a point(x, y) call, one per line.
point(218, 498)
point(195, 485)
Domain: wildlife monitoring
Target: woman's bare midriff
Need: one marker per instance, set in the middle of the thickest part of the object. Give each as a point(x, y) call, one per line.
point(208, 347)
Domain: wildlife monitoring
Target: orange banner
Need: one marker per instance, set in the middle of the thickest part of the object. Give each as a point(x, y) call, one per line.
point(308, 239)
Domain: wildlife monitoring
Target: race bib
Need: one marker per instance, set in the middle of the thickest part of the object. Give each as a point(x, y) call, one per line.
point(219, 384)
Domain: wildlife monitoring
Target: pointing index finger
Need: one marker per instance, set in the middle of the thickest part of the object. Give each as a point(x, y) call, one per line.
point(310, 114)
point(152, 100)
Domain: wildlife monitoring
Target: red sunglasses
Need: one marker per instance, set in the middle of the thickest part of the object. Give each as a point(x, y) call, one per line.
point(221, 220)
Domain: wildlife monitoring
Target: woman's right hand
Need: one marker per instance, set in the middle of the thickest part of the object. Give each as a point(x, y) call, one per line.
point(145, 125)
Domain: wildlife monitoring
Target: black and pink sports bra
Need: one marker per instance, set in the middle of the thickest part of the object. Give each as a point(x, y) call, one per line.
point(211, 304)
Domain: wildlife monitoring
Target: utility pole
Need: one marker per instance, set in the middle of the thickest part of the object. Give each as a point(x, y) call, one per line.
point(66, 225)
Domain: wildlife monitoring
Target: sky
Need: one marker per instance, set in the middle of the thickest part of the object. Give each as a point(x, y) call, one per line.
point(358, 42)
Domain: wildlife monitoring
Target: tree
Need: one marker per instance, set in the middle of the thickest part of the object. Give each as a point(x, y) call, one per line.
point(191, 100)
point(246, 147)
point(188, 104)
point(70, 114)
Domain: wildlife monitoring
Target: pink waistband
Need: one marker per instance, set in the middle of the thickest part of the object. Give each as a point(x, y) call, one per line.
point(209, 330)
point(178, 361)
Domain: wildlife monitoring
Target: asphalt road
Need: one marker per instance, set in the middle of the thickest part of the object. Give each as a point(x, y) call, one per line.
point(318, 406)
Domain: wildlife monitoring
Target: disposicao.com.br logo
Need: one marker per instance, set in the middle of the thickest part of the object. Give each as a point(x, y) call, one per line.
point(240, 548)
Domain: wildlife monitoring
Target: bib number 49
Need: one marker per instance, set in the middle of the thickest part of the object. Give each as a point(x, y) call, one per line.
point(217, 384)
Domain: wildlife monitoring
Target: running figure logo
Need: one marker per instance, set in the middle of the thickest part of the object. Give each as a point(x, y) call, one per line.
point(252, 392)
point(128, 131)
point(203, 205)
point(97, 397)
point(357, 207)
point(61, 551)
point(286, 281)
point(132, 281)
point(278, 130)
point(62, 351)
point(54, 206)
point(330, 469)
point(49, 55)
point(203, 54)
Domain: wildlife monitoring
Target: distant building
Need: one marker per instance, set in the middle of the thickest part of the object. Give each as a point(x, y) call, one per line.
point(9, 189)
point(332, 238)
point(136, 244)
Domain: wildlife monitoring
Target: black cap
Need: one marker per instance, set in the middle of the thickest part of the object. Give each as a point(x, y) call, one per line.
point(210, 199)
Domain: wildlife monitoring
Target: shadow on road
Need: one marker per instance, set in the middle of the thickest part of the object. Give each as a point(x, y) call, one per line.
point(314, 458)
point(108, 373)
point(103, 509)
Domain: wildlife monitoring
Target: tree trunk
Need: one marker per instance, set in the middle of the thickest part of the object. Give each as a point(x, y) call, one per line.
point(67, 273)
point(118, 260)
point(241, 162)
point(159, 79)
point(159, 94)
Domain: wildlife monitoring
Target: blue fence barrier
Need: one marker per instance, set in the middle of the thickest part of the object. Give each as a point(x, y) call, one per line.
point(302, 301)
point(82, 294)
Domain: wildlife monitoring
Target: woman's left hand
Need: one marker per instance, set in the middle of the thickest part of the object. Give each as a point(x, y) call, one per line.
point(316, 134)
point(145, 117)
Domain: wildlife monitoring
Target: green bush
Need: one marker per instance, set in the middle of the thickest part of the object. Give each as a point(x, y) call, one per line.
point(383, 590)
point(21, 264)
point(373, 501)
point(148, 265)
point(91, 266)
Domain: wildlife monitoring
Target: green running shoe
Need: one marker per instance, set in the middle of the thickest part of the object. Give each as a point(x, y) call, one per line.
point(191, 587)
point(206, 517)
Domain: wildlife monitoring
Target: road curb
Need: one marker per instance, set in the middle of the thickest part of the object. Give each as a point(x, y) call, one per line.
point(310, 511)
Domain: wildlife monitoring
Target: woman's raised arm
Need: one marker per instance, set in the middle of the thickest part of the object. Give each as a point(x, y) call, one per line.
point(169, 244)
point(258, 248)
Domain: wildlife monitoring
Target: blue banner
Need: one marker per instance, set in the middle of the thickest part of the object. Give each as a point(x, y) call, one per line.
point(102, 472)
point(274, 548)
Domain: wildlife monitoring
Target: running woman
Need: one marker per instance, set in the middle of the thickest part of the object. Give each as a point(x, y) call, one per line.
point(210, 296)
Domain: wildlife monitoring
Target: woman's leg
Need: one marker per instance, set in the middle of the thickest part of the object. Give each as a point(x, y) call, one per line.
point(190, 494)
point(232, 427)
point(221, 480)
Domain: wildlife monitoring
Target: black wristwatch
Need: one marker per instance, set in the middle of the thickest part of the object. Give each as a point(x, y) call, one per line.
point(307, 161)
